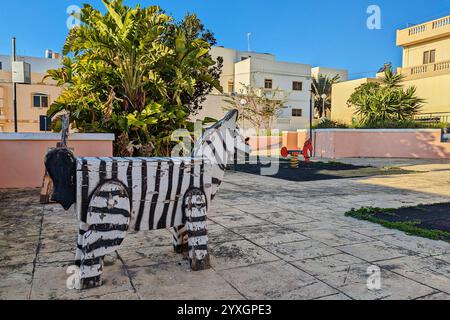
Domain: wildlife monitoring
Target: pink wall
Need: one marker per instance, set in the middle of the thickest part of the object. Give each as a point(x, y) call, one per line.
point(294, 140)
point(302, 135)
point(290, 140)
point(22, 155)
point(381, 143)
point(265, 143)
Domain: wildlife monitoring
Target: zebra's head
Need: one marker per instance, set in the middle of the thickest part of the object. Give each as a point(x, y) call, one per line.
point(222, 143)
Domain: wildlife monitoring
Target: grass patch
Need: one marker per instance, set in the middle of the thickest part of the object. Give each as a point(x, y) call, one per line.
point(394, 219)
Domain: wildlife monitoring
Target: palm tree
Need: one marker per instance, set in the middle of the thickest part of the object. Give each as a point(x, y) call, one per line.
point(391, 79)
point(321, 90)
point(384, 101)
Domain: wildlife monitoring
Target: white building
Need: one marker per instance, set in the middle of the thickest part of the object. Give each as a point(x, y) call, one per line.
point(330, 73)
point(261, 70)
point(38, 65)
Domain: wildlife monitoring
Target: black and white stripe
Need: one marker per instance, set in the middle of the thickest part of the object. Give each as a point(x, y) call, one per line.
point(115, 195)
point(155, 186)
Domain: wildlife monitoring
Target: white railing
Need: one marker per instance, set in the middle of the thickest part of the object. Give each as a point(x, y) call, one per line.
point(417, 29)
point(431, 25)
point(427, 69)
point(445, 65)
point(419, 69)
point(433, 117)
point(441, 22)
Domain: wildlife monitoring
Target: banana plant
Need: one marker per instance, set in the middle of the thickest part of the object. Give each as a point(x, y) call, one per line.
point(135, 72)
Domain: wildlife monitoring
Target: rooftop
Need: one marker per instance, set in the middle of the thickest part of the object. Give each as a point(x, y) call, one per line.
point(427, 31)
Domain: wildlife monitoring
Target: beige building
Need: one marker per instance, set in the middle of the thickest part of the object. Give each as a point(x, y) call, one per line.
point(264, 72)
point(33, 99)
point(426, 65)
point(260, 70)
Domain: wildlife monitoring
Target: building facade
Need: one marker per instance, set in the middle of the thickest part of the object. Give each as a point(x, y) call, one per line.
point(33, 99)
point(240, 69)
point(425, 65)
point(262, 71)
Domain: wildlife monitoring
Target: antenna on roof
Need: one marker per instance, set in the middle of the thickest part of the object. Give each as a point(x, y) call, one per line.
point(248, 42)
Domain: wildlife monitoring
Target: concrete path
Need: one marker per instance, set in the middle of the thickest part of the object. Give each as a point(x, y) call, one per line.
point(270, 239)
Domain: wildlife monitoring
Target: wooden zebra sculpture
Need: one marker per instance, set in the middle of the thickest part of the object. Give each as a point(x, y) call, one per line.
point(114, 196)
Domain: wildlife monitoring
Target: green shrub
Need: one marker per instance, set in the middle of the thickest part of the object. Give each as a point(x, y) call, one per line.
point(400, 124)
point(329, 124)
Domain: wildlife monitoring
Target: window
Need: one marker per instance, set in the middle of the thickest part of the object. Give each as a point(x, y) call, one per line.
point(297, 112)
point(429, 56)
point(40, 100)
point(1, 66)
point(297, 86)
point(432, 56)
point(268, 83)
point(426, 56)
point(230, 86)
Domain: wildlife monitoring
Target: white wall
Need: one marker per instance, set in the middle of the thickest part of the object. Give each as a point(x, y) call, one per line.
point(229, 58)
point(283, 74)
point(213, 107)
point(330, 72)
point(38, 65)
point(245, 68)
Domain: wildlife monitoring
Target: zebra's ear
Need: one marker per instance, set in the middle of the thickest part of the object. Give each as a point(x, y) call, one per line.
point(61, 167)
point(232, 115)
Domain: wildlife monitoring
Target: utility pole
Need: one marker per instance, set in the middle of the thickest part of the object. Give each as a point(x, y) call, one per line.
point(311, 110)
point(13, 59)
point(248, 42)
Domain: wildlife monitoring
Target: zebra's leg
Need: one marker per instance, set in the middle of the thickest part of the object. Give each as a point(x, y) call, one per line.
point(180, 241)
point(74, 280)
point(84, 227)
point(195, 207)
point(108, 219)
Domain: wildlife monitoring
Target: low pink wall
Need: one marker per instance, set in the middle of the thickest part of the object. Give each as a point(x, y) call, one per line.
point(289, 140)
point(381, 143)
point(22, 155)
point(265, 143)
point(302, 135)
point(294, 140)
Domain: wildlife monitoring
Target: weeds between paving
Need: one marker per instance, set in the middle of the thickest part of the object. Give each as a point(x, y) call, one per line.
point(427, 221)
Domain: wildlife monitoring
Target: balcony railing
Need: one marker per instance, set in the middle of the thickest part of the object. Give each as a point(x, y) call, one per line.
point(441, 22)
point(433, 117)
point(427, 70)
point(417, 29)
point(424, 32)
point(434, 25)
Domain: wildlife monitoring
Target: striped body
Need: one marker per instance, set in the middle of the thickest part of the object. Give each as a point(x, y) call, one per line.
point(156, 186)
point(114, 196)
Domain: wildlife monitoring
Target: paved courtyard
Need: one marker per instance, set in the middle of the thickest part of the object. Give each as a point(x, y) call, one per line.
point(269, 239)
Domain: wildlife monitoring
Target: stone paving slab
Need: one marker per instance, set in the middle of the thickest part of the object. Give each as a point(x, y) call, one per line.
point(352, 281)
point(175, 281)
point(269, 239)
point(285, 282)
point(432, 271)
point(375, 251)
point(241, 253)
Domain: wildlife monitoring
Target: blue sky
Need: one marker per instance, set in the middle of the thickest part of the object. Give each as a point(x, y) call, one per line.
point(328, 32)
